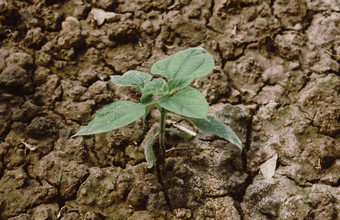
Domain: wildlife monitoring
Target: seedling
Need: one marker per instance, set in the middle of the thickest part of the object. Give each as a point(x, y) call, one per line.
point(171, 94)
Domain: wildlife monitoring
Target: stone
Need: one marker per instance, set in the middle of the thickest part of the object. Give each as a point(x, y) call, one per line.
point(87, 76)
point(323, 5)
point(137, 199)
point(35, 38)
point(16, 80)
point(41, 75)
point(141, 215)
point(75, 110)
point(106, 191)
point(124, 31)
point(51, 19)
point(26, 112)
point(106, 4)
point(45, 211)
point(323, 29)
point(227, 48)
point(218, 208)
point(182, 213)
point(3, 56)
point(41, 126)
point(136, 5)
point(20, 193)
point(246, 74)
point(93, 216)
point(266, 198)
point(271, 94)
point(319, 99)
point(214, 86)
point(70, 35)
point(290, 44)
point(72, 89)
point(126, 56)
point(99, 91)
point(100, 16)
point(27, 17)
point(147, 27)
point(290, 12)
point(325, 63)
point(44, 59)
point(21, 59)
point(67, 175)
point(47, 93)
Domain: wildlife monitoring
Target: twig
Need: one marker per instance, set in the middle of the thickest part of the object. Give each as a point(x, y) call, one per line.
point(331, 54)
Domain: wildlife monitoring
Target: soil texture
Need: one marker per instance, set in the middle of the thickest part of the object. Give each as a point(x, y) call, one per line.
point(276, 83)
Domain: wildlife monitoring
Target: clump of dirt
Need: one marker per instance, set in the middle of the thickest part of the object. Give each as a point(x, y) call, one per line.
point(276, 83)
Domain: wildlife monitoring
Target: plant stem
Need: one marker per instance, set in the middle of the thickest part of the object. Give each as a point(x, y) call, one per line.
point(162, 139)
point(160, 162)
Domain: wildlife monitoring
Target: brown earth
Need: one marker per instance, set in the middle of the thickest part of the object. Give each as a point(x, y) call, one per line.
point(276, 83)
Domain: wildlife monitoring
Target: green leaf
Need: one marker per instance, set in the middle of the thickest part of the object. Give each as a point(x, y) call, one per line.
point(188, 102)
point(187, 64)
point(149, 154)
point(148, 105)
point(132, 78)
point(218, 128)
point(156, 86)
point(177, 84)
point(147, 110)
point(113, 116)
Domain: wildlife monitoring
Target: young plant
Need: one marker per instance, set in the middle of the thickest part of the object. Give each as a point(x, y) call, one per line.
point(172, 96)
